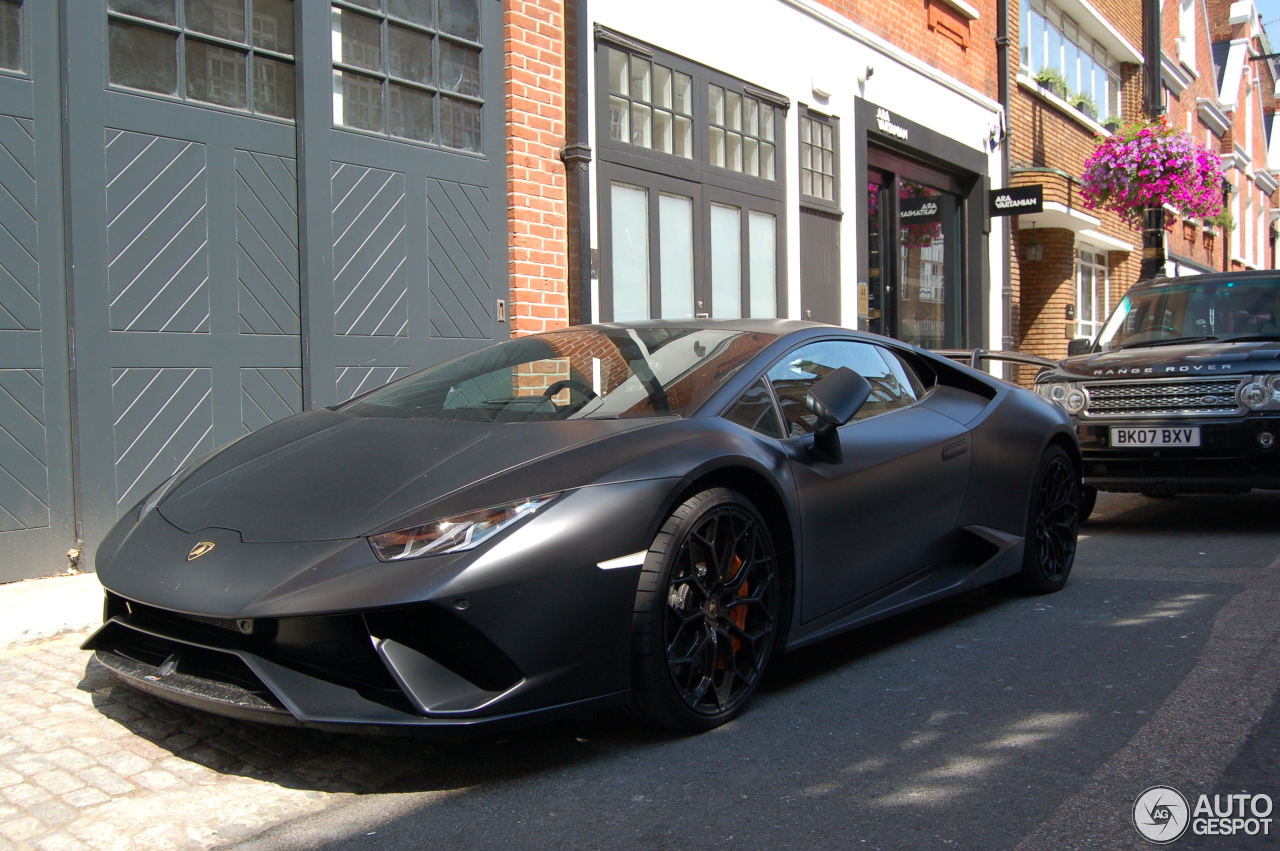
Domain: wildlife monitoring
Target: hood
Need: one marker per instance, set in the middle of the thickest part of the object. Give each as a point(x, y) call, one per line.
point(1208, 358)
point(323, 475)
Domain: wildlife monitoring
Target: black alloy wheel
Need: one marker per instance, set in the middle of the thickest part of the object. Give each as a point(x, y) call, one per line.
point(706, 613)
point(1053, 523)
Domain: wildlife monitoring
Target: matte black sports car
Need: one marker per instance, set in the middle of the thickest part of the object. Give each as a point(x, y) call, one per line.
point(609, 514)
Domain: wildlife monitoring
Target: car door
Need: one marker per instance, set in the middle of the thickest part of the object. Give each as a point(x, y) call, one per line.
point(883, 512)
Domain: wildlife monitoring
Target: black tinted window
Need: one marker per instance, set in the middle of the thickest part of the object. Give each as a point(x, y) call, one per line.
point(893, 386)
point(756, 411)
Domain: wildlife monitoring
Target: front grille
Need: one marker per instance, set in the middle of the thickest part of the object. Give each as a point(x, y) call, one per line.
point(1163, 398)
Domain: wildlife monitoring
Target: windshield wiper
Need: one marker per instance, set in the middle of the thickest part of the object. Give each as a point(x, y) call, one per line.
point(1172, 341)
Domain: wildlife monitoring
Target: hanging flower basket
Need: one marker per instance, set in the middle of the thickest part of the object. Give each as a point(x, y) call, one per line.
point(1143, 165)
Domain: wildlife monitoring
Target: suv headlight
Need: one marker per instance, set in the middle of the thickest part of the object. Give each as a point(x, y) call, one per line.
point(454, 534)
point(1067, 395)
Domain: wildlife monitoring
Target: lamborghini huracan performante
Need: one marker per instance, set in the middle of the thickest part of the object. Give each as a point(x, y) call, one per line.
point(638, 513)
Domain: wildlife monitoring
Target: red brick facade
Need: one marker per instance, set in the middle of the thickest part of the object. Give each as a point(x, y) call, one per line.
point(537, 206)
point(936, 32)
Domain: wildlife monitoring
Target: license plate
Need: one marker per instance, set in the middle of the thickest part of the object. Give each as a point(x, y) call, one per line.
point(1123, 436)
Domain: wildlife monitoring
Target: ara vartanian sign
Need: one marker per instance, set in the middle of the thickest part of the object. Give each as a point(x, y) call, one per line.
point(915, 211)
point(1017, 200)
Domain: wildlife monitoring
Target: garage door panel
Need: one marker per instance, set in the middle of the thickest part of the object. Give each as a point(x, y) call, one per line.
point(267, 238)
point(268, 395)
point(24, 473)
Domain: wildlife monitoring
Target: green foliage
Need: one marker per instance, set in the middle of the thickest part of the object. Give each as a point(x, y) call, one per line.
point(1224, 221)
point(1084, 102)
point(1051, 79)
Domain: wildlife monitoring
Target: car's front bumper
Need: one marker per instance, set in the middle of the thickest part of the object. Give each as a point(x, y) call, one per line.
point(1231, 457)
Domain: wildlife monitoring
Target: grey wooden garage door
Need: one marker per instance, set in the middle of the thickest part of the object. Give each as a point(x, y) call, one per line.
point(221, 281)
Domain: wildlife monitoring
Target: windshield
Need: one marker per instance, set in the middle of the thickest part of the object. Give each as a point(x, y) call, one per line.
point(582, 373)
point(1219, 309)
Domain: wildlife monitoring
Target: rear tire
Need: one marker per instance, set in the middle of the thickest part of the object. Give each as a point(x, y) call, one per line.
point(1053, 524)
point(706, 615)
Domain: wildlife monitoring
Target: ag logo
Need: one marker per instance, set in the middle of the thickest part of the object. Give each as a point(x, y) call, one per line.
point(1160, 814)
point(200, 549)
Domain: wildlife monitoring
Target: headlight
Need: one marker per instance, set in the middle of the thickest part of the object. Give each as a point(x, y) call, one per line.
point(454, 534)
point(1075, 401)
point(1273, 385)
point(1065, 394)
point(1255, 395)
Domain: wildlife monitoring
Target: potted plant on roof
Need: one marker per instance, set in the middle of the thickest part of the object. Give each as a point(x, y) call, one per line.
point(1145, 165)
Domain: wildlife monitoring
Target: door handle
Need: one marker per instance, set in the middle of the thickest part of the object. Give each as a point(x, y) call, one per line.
point(955, 450)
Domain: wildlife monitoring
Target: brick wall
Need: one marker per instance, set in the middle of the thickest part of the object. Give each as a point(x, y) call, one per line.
point(934, 32)
point(536, 201)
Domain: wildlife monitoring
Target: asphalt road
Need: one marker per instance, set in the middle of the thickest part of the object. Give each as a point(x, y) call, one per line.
point(986, 722)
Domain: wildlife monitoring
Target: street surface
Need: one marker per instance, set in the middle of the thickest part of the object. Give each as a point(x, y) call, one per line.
point(987, 722)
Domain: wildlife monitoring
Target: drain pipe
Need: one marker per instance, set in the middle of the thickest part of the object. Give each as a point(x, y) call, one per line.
point(576, 157)
point(1002, 95)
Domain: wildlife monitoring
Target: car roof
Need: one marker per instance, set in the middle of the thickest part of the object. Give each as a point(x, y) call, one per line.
point(1210, 277)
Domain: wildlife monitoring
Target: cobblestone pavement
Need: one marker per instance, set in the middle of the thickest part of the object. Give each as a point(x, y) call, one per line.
point(87, 763)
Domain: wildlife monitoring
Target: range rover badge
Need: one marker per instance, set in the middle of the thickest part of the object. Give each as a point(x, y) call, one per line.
point(200, 549)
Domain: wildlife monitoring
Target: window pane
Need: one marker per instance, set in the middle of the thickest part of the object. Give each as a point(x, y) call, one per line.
point(766, 122)
point(763, 253)
point(806, 129)
point(684, 93)
point(619, 119)
point(797, 372)
point(751, 116)
point(144, 59)
point(751, 156)
point(461, 17)
point(675, 238)
point(683, 146)
point(273, 87)
point(357, 101)
point(459, 69)
point(417, 11)
point(641, 129)
point(409, 54)
point(715, 100)
point(717, 146)
point(216, 75)
point(409, 111)
point(641, 81)
point(630, 252)
point(662, 86)
point(273, 25)
point(152, 10)
point(460, 125)
point(10, 35)
point(662, 131)
point(619, 76)
point(766, 161)
point(733, 110)
point(221, 18)
point(726, 262)
point(733, 156)
point(376, 5)
point(360, 39)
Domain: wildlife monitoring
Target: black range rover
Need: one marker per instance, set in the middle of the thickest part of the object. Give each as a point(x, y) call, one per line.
point(1180, 393)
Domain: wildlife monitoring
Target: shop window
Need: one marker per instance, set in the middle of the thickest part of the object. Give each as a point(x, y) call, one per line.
point(409, 69)
point(1052, 40)
point(691, 193)
point(231, 53)
point(1093, 292)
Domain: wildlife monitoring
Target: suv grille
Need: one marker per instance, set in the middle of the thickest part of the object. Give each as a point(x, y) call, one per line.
point(1163, 398)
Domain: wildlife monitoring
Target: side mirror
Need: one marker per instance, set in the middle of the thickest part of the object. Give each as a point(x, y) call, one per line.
point(834, 400)
point(1078, 347)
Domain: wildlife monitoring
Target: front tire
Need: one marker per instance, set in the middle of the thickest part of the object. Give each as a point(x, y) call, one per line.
point(1053, 524)
point(706, 614)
